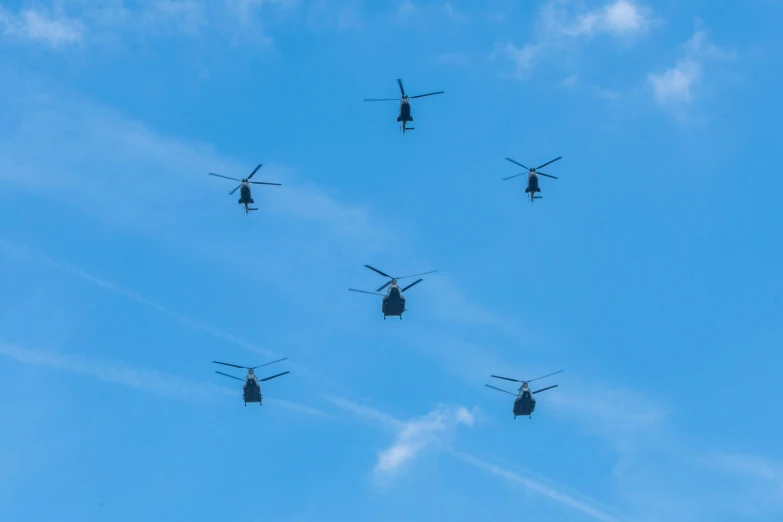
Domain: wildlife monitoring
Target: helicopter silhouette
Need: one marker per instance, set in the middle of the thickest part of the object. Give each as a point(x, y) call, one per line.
point(393, 301)
point(405, 105)
point(251, 391)
point(525, 403)
point(532, 177)
point(245, 198)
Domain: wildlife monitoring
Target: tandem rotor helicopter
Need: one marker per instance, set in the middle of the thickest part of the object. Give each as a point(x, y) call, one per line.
point(393, 301)
point(525, 403)
point(251, 391)
point(532, 177)
point(245, 198)
point(405, 105)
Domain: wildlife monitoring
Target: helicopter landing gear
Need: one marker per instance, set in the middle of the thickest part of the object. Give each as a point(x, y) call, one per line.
point(245, 405)
point(529, 416)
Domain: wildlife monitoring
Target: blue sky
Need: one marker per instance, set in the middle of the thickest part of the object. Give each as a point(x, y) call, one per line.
point(649, 272)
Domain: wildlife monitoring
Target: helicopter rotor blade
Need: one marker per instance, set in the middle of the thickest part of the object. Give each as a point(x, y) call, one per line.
point(222, 176)
point(548, 162)
point(385, 285)
point(505, 378)
point(428, 94)
point(514, 176)
point(365, 292)
point(501, 390)
point(410, 285)
point(227, 375)
point(381, 99)
point(551, 374)
point(232, 365)
point(378, 271)
point(414, 275)
point(547, 175)
point(545, 389)
point(254, 171)
point(517, 163)
point(264, 183)
point(234, 190)
point(267, 364)
point(399, 82)
point(272, 377)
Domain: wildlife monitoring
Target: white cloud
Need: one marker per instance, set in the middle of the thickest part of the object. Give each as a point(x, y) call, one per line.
point(39, 26)
point(523, 59)
point(588, 507)
point(560, 28)
point(677, 85)
point(417, 434)
point(621, 18)
point(413, 436)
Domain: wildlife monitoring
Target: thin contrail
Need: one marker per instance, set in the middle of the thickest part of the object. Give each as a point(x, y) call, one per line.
point(20, 251)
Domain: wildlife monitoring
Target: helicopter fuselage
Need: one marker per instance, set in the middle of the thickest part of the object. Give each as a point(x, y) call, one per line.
point(394, 303)
point(532, 183)
point(251, 391)
point(524, 404)
point(405, 111)
point(244, 194)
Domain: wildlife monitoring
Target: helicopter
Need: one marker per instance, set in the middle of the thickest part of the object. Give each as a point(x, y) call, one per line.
point(405, 105)
point(532, 177)
point(251, 391)
point(245, 197)
point(525, 403)
point(393, 302)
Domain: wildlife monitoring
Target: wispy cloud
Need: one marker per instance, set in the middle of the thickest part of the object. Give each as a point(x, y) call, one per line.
point(21, 252)
point(40, 26)
point(677, 84)
point(417, 434)
point(619, 18)
point(561, 26)
point(142, 379)
point(412, 436)
point(623, 416)
point(523, 59)
point(589, 507)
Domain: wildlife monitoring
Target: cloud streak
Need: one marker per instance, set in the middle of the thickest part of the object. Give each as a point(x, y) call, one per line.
point(589, 508)
point(23, 252)
point(413, 436)
point(114, 372)
point(39, 26)
point(677, 84)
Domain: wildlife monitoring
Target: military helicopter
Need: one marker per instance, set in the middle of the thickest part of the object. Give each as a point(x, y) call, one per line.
point(245, 197)
point(251, 391)
point(525, 403)
point(532, 177)
point(393, 302)
point(405, 105)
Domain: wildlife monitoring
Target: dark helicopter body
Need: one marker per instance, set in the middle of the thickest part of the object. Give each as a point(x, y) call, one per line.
point(251, 390)
point(525, 403)
point(532, 184)
point(405, 106)
point(245, 196)
point(532, 178)
point(393, 304)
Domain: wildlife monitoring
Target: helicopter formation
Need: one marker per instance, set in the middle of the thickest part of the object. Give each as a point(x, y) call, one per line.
point(394, 302)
